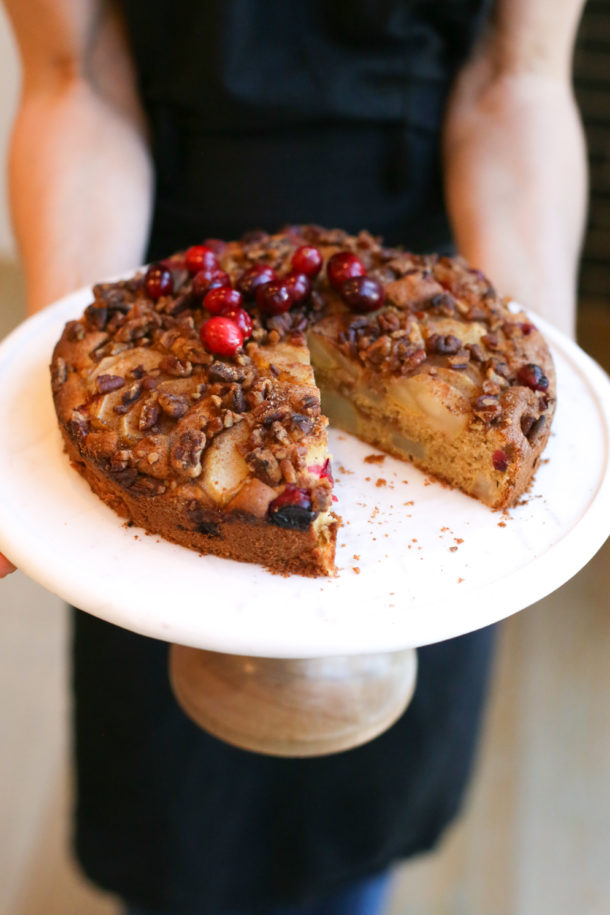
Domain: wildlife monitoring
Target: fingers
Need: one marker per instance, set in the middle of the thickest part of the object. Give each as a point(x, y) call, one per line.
point(6, 567)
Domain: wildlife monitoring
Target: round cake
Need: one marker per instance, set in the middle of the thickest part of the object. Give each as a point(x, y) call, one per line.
point(195, 396)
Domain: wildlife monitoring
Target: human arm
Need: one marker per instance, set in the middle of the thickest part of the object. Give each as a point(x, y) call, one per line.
point(514, 156)
point(80, 173)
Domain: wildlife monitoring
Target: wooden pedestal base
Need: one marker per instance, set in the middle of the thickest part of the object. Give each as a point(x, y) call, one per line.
point(293, 707)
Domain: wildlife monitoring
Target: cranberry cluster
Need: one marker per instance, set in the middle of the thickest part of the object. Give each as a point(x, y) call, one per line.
point(224, 333)
point(347, 274)
point(230, 324)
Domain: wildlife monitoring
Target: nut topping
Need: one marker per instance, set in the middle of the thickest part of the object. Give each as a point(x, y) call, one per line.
point(105, 384)
point(185, 456)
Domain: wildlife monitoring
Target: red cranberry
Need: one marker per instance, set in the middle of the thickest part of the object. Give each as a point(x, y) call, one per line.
point(533, 377)
point(292, 509)
point(299, 287)
point(241, 318)
point(307, 260)
point(327, 472)
point(323, 471)
point(527, 328)
point(205, 280)
point(158, 281)
point(200, 257)
point(343, 266)
point(253, 277)
point(499, 460)
point(274, 298)
point(362, 294)
point(217, 300)
point(221, 336)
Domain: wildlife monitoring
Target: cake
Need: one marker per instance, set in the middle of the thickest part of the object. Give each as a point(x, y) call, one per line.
point(187, 399)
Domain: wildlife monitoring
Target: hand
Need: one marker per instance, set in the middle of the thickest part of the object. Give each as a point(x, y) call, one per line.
point(6, 567)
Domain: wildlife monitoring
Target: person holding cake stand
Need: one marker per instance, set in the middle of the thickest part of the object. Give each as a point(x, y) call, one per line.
point(144, 127)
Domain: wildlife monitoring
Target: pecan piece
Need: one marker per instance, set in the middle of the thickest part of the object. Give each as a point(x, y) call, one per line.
point(302, 422)
point(288, 471)
point(105, 384)
point(59, 373)
point(264, 464)
point(77, 426)
point(443, 344)
point(222, 371)
point(96, 316)
point(185, 456)
point(176, 367)
point(487, 408)
point(75, 331)
point(173, 405)
point(149, 415)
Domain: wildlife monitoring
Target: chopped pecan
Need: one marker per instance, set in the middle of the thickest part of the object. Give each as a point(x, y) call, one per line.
point(280, 434)
point(105, 384)
point(180, 303)
point(96, 316)
point(288, 471)
point(59, 373)
point(310, 405)
point(491, 341)
point(379, 350)
point(491, 387)
point(185, 456)
point(302, 422)
point(176, 367)
point(223, 371)
point(487, 408)
point(113, 297)
point(77, 425)
point(460, 360)
point(477, 353)
point(129, 398)
point(149, 415)
point(271, 413)
point(120, 460)
point(264, 464)
point(443, 304)
point(535, 428)
point(75, 331)
point(173, 405)
point(444, 344)
point(238, 401)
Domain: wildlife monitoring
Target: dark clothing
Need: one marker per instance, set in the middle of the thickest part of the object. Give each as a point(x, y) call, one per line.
point(327, 111)
point(264, 113)
point(170, 817)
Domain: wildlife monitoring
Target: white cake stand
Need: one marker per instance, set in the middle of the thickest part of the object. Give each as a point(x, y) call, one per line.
point(293, 665)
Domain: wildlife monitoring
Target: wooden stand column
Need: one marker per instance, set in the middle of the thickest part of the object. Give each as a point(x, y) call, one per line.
point(293, 707)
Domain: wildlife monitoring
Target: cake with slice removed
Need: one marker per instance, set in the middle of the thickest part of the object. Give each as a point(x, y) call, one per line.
point(187, 399)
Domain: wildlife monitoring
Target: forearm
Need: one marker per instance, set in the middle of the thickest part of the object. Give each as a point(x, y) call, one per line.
point(516, 188)
point(81, 189)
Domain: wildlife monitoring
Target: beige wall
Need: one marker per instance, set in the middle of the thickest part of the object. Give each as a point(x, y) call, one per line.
point(9, 88)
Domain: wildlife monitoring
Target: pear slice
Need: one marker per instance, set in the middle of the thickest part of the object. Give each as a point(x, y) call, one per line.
point(123, 363)
point(441, 405)
point(224, 468)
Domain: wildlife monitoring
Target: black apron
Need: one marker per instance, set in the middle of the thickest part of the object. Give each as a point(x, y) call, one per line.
point(264, 113)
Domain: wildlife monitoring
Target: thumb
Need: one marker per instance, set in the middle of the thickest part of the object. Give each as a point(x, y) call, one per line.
point(6, 567)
